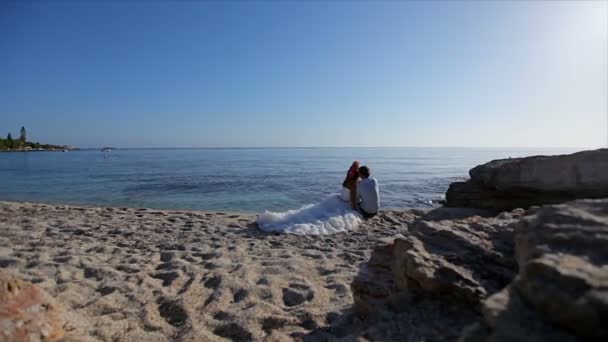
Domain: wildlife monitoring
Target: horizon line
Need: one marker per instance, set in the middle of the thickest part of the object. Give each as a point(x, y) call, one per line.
point(343, 147)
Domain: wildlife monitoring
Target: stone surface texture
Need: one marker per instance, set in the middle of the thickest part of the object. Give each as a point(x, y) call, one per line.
point(535, 275)
point(561, 290)
point(449, 261)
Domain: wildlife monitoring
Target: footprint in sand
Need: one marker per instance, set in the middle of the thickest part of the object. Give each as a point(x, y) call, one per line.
point(340, 289)
point(62, 259)
point(325, 271)
point(223, 316)
point(172, 311)
point(164, 266)
point(272, 323)
point(92, 272)
point(213, 297)
point(313, 256)
point(213, 283)
point(208, 256)
point(265, 294)
point(263, 281)
point(240, 295)
point(128, 268)
point(106, 290)
point(167, 277)
point(211, 266)
point(307, 321)
point(233, 331)
point(167, 256)
point(297, 294)
point(9, 262)
point(191, 259)
point(187, 285)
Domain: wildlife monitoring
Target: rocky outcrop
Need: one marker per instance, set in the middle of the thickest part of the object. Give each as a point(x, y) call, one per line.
point(461, 260)
point(538, 275)
point(27, 313)
point(523, 182)
point(561, 290)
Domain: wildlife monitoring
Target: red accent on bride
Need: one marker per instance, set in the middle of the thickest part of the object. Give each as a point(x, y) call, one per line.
point(353, 171)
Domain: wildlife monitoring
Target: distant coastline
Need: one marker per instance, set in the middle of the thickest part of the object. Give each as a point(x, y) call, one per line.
point(42, 148)
point(51, 148)
point(21, 144)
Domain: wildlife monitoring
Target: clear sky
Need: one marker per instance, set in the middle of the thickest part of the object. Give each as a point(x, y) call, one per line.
point(190, 74)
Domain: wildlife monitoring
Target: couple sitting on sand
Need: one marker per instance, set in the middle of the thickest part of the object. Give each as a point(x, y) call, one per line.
point(361, 190)
point(333, 214)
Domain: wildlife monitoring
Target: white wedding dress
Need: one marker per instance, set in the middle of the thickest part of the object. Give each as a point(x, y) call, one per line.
point(331, 215)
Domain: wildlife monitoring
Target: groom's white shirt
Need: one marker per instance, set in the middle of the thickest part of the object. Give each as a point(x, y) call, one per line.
point(367, 194)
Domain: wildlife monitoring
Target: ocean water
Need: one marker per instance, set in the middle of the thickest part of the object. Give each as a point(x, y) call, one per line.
point(237, 180)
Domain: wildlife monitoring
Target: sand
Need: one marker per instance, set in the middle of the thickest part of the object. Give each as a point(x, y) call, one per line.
point(126, 274)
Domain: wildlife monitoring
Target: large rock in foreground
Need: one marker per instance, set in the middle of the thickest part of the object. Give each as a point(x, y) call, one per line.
point(446, 260)
point(462, 260)
point(540, 275)
point(523, 182)
point(561, 290)
point(27, 313)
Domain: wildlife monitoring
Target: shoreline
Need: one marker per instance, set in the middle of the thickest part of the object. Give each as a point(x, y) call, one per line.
point(231, 212)
point(123, 208)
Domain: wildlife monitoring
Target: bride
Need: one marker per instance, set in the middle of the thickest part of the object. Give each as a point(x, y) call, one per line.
point(334, 214)
point(349, 186)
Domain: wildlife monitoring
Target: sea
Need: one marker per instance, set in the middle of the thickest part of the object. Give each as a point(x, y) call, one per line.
point(250, 180)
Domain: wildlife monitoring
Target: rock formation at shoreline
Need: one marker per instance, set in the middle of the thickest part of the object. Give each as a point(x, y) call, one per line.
point(539, 274)
point(523, 182)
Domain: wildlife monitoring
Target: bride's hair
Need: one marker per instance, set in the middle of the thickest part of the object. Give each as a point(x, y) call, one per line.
point(353, 171)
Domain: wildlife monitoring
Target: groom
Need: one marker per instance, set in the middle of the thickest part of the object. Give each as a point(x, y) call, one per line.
point(367, 194)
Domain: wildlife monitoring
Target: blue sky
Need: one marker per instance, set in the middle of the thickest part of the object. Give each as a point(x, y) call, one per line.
point(189, 74)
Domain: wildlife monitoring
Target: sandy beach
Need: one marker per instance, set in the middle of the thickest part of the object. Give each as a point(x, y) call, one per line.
point(126, 274)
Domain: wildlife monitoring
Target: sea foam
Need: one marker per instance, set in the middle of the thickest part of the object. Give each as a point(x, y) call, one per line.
point(331, 215)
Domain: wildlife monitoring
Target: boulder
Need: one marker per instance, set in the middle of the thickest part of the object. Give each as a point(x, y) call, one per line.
point(27, 313)
point(461, 260)
point(373, 288)
point(561, 289)
point(523, 182)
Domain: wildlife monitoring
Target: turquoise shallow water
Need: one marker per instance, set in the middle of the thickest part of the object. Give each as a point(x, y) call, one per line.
point(242, 180)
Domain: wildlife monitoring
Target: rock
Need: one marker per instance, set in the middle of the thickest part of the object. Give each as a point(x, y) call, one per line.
point(374, 286)
point(538, 275)
point(462, 261)
point(523, 182)
point(561, 290)
point(27, 313)
point(447, 213)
